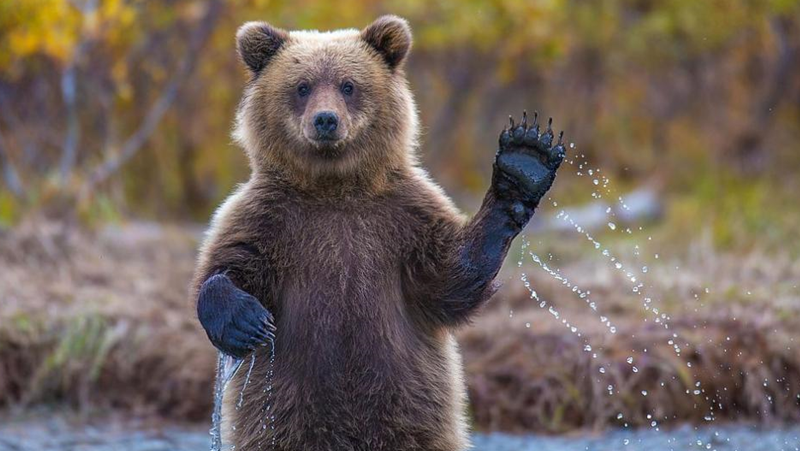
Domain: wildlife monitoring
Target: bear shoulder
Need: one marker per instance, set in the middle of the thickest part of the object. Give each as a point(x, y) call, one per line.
point(426, 197)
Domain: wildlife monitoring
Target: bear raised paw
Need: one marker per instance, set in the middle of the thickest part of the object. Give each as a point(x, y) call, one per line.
point(526, 164)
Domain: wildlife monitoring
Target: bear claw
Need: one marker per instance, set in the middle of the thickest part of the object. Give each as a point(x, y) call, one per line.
point(521, 137)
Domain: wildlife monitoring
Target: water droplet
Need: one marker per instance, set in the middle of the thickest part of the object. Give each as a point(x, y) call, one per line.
point(246, 381)
point(227, 367)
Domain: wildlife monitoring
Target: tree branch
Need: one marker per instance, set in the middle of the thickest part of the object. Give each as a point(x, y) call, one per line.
point(69, 89)
point(135, 142)
point(10, 174)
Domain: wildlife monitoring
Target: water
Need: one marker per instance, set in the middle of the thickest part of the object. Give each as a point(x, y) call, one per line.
point(246, 381)
point(267, 416)
point(574, 288)
point(542, 303)
point(227, 367)
point(55, 432)
point(724, 438)
point(634, 278)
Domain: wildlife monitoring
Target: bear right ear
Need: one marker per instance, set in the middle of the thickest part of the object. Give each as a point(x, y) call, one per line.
point(391, 37)
point(257, 43)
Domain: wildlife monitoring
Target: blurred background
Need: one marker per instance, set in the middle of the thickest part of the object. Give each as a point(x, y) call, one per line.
point(683, 172)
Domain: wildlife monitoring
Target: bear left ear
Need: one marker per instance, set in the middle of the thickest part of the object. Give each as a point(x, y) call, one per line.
point(391, 37)
point(257, 43)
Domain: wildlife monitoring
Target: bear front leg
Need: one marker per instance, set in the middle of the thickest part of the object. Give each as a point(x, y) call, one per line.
point(234, 320)
point(524, 170)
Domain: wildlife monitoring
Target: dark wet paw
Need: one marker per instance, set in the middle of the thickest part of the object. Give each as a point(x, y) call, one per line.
point(526, 162)
point(235, 322)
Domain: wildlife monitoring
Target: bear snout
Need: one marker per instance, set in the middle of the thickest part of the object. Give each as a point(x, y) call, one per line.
point(326, 123)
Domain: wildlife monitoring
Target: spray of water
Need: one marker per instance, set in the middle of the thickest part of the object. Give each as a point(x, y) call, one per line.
point(542, 303)
point(267, 415)
point(246, 381)
point(632, 277)
point(227, 367)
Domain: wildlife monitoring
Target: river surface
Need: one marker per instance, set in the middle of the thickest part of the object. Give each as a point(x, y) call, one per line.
point(59, 434)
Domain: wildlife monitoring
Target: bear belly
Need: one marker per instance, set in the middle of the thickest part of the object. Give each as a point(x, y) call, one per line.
point(352, 372)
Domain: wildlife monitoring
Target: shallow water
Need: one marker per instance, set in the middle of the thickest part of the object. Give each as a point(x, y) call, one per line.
point(58, 434)
point(721, 438)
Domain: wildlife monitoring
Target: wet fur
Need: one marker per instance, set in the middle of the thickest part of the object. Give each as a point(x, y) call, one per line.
point(365, 264)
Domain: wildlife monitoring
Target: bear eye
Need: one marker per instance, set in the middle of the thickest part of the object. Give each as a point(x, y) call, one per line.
point(347, 88)
point(303, 89)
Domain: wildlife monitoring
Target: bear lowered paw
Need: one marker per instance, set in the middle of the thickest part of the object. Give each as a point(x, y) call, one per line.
point(235, 322)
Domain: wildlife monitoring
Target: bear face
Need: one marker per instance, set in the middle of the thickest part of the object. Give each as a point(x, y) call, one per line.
point(326, 103)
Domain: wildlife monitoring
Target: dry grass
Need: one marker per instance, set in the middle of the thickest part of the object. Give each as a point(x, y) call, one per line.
point(545, 381)
point(102, 320)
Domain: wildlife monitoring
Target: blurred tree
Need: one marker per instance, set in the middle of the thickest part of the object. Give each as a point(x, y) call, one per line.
point(129, 103)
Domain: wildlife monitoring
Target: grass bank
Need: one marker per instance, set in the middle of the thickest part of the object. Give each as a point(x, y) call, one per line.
point(101, 320)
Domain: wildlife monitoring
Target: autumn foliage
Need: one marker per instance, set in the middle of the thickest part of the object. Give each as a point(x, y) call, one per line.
point(124, 107)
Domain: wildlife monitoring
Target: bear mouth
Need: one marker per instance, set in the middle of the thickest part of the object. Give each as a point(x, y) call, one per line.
point(327, 142)
point(327, 148)
point(317, 139)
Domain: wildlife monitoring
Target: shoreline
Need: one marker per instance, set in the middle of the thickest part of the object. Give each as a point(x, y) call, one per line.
point(62, 431)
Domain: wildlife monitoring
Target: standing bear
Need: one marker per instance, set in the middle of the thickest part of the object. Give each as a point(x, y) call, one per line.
point(341, 249)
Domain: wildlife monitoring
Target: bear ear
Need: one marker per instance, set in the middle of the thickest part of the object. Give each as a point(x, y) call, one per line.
point(257, 43)
point(391, 37)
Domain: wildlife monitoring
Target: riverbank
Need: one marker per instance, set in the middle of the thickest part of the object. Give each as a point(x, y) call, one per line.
point(101, 319)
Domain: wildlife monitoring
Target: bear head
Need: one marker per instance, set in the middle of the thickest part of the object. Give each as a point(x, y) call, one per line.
point(327, 103)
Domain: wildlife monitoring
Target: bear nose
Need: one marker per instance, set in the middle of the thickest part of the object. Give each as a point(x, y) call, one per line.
point(326, 123)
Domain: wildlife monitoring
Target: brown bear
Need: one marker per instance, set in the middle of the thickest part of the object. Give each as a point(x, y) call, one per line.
point(343, 251)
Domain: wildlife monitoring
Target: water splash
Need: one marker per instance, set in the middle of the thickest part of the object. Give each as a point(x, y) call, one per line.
point(227, 367)
point(587, 347)
point(267, 415)
point(246, 381)
point(535, 296)
point(574, 288)
point(633, 277)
